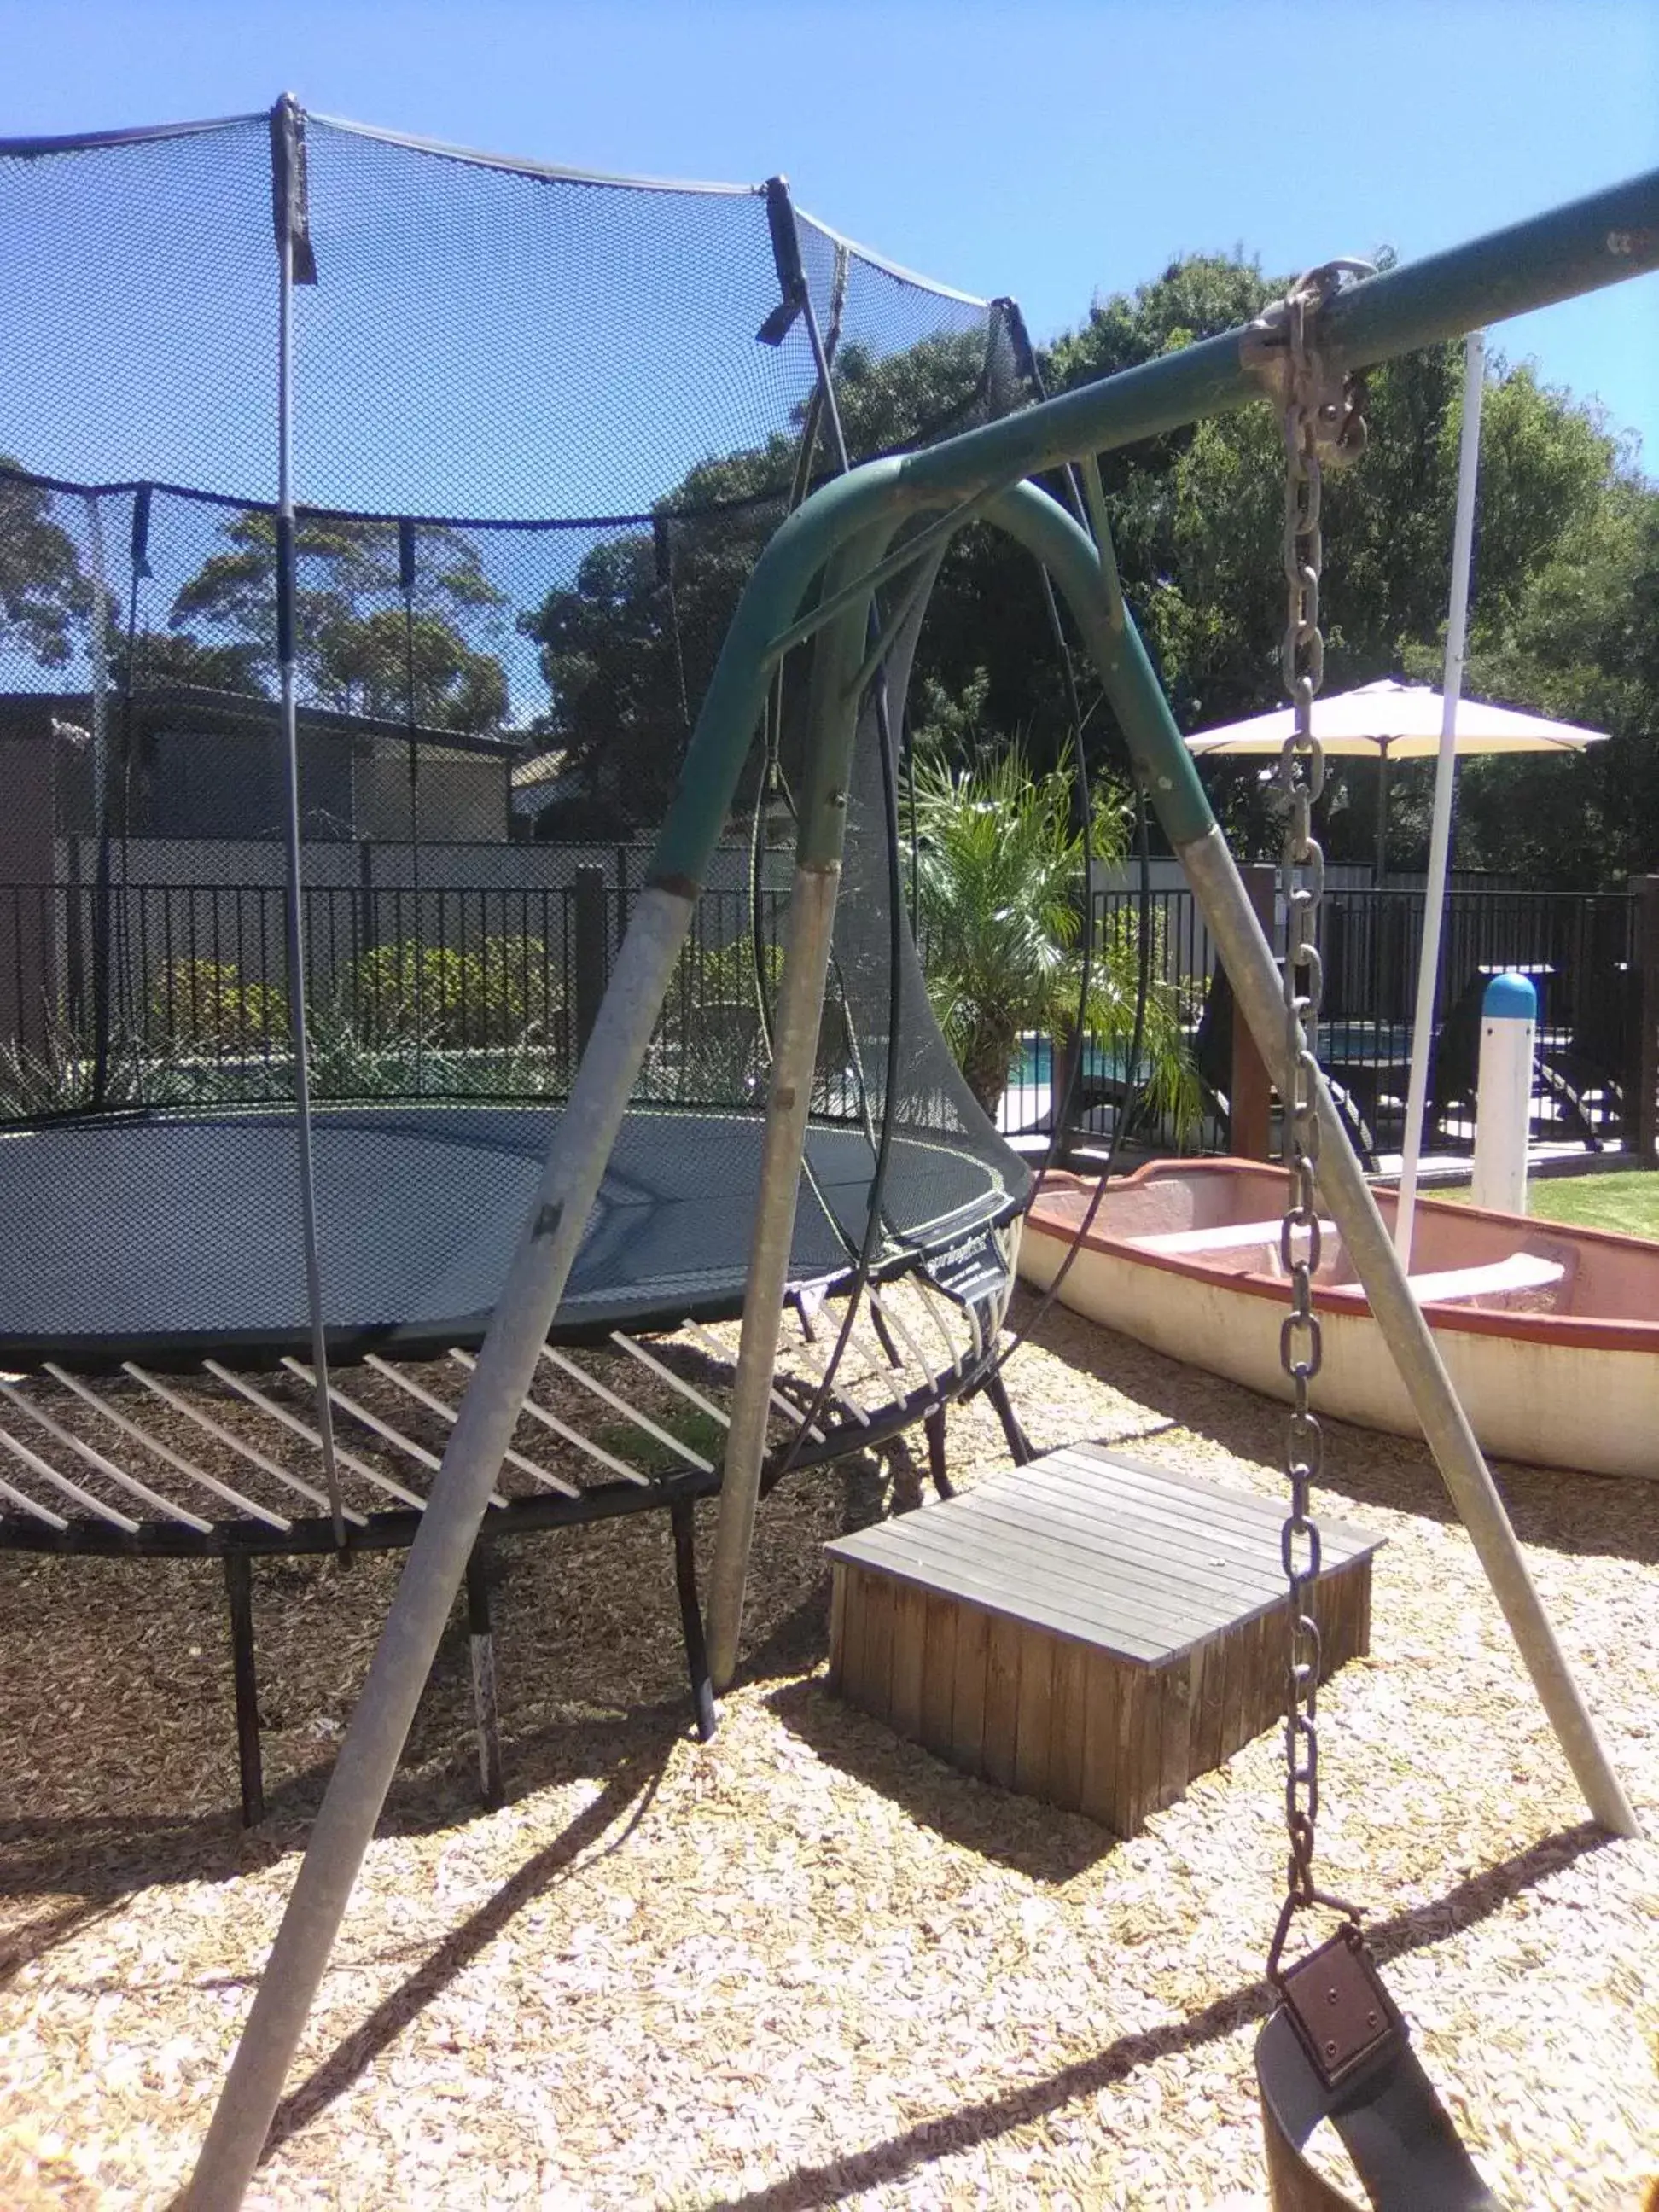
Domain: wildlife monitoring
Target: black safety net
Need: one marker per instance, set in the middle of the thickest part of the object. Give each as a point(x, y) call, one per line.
point(601, 384)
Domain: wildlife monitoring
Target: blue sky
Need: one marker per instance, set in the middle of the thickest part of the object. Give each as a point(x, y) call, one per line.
point(1048, 151)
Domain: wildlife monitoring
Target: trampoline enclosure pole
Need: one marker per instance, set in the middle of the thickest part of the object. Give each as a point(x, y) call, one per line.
point(288, 201)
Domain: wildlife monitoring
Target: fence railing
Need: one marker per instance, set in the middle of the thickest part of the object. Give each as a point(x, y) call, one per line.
point(1580, 948)
point(166, 994)
point(146, 994)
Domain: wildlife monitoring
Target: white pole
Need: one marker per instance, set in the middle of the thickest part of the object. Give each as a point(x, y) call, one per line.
point(1503, 1098)
point(1434, 896)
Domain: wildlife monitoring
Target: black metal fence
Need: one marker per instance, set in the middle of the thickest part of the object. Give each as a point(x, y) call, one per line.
point(156, 993)
point(1579, 948)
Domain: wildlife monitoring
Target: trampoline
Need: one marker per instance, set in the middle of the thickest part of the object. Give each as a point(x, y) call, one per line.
point(115, 1248)
point(373, 585)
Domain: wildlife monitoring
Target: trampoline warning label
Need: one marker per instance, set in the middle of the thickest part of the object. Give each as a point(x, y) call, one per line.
point(972, 1268)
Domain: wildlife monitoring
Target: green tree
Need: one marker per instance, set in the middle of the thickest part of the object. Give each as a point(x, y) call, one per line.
point(1581, 642)
point(626, 650)
point(1197, 516)
point(44, 596)
point(167, 659)
point(349, 619)
point(999, 869)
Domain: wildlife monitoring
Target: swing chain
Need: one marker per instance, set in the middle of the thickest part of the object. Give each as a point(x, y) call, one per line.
point(1322, 421)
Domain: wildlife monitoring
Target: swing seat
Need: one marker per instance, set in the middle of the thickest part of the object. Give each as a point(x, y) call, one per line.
point(1394, 2126)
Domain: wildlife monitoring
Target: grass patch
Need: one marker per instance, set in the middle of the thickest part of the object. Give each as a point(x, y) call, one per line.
point(1628, 1201)
point(699, 1430)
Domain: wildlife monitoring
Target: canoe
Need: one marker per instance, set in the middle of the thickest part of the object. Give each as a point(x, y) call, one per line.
point(1549, 1334)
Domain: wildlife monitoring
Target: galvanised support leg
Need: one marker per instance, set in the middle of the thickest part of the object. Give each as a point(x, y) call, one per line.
point(832, 720)
point(443, 1543)
point(933, 1428)
point(482, 1641)
point(238, 1588)
point(1165, 768)
point(681, 1513)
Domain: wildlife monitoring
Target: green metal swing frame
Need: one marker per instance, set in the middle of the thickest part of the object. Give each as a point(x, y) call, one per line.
point(842, 543)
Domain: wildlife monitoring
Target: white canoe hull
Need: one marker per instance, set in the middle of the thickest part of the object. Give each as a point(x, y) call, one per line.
point(1565, 1403)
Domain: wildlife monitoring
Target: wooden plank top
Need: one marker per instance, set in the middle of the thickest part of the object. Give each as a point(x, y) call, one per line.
point(1137, 1560)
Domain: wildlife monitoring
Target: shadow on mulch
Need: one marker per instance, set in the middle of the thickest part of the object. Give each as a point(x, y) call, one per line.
point(632, 1781)
point(902, 2155)
point(132, 1661)
point(1032, 1838)
point(82, 1867)
point(1583, 1514)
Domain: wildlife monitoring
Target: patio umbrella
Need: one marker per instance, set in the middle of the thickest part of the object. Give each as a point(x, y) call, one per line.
point(1389, 721)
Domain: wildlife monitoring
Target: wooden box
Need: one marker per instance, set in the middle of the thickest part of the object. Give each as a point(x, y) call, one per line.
point(1088, 1630)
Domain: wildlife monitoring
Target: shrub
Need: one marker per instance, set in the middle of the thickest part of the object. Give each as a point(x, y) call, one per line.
point(438, 995)
point(206, 1007)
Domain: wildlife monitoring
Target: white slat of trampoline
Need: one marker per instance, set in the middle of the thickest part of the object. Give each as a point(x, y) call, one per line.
point(954, 1350)
point(372, 1475)
point(876, 1364)
point(713, 1345)
point(240, 1446)
point(906, 1342)
point(551, 1421)
point(445, 1413)
point(188, 1468)
point(557, 1359)
point(382, 1427)
point(49, 1474)
point(119, 1475)
point(655, 1366)
point(976, 1334)
point(32, 1506)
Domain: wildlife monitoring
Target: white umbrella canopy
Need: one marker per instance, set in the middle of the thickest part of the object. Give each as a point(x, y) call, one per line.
point(1388, 720)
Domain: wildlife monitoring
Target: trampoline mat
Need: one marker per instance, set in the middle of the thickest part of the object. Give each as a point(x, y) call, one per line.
point(169, 1237)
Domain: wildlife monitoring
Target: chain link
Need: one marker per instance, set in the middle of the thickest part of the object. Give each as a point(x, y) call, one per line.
point(1319, 420)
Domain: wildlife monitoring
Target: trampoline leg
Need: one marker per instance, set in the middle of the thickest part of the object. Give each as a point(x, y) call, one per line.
point(997, 1391)
point(933, 1428)
point(685, 1582)
point(884, 1336)
point(239, 1589)
point(483, 1641)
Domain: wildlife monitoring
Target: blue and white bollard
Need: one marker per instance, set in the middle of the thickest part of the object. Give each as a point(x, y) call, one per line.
point(1503, 1110)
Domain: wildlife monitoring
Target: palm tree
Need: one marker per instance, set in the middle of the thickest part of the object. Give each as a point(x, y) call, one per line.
point(998, 874)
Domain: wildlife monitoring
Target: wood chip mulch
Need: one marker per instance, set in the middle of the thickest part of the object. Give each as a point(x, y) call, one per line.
point(807, 1964)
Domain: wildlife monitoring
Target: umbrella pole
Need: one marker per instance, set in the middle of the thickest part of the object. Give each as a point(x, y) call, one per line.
point(1434, 896)
point(1381, 868)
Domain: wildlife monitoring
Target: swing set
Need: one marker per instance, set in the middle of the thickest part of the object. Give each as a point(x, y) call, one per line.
point(1336, 2048)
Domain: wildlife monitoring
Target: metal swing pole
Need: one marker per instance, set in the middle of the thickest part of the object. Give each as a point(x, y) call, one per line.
point(575, 1163)
point(1166, 769)
point(832, 719)
point(406, 581)
point(295, 263)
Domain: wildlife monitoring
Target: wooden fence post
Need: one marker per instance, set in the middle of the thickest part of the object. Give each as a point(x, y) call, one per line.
point(1250, 1124)
point(1642, 1082)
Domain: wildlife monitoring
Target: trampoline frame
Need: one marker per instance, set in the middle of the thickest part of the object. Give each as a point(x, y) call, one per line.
point(238, 1542)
